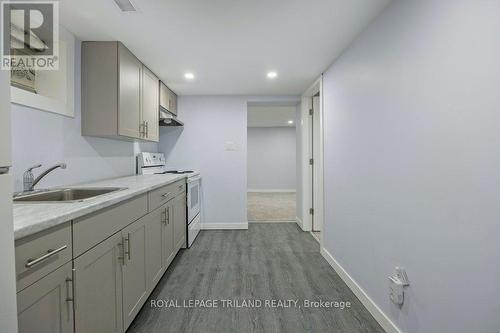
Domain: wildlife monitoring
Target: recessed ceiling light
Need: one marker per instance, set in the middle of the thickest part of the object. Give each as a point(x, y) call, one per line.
point(272, 75)
point(189, 76)
point(290, 122)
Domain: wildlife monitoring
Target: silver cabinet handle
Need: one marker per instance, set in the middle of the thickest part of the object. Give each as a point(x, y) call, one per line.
point(166, 195)
point(122, 252)
point(32, 262)
point(164, 216)
point(168, 215)
point(129, 252)
point(73, 273)
point(126, 250)
point(147, 129)
point(68, 295)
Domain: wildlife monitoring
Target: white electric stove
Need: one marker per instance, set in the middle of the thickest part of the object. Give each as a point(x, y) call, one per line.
point(154, 164)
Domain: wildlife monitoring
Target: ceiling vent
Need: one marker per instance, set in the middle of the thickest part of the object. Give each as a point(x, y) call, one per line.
point(125, 5)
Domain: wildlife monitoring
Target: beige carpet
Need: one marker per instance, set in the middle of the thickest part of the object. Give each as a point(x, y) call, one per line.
point(271, 207)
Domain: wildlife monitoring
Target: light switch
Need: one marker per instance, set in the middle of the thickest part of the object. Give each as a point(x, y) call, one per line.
point(230, 146)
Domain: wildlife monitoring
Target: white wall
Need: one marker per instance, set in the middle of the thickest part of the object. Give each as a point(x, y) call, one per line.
point(47, 138)
point(211, 122)
point(271, 158)
point(412, 163)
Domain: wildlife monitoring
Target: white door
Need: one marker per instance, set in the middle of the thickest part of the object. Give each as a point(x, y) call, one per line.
point(315, 138)
point(8, 307)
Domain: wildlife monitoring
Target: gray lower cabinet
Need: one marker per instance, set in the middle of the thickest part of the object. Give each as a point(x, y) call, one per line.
point(168, 234)
point(135, 288)
point(155, 236)
point(46, 306)
point(116, 265)
point(98, 288)
point(179, 219)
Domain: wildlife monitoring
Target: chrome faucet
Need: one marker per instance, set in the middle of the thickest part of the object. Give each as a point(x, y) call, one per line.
point(29, 182)
point(28, 178)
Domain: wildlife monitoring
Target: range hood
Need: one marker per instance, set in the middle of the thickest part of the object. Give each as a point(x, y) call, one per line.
point(168, 119)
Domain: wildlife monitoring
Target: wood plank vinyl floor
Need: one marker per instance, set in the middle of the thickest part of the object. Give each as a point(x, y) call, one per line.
point(265, 262)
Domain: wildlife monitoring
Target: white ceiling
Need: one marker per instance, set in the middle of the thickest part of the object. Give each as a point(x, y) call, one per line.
point(271, 116)
point(229, 45)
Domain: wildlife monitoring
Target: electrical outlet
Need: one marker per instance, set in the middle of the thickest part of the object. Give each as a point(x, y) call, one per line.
point(402, 276)
point(397, 284)
point(396, 290)
point(230, 146)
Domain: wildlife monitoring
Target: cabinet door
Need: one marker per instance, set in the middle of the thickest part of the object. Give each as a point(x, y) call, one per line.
point(168, 235)
point(135, 291)
point(150, 104)
point(129, 94)
point(98, 288)
point(155, 265)
point(46, 306)
point(164, 96)
point(172, 102)
point(180, 225)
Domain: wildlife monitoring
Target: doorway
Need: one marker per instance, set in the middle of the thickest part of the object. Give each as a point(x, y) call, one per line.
point(271, 162)
point(311, 119)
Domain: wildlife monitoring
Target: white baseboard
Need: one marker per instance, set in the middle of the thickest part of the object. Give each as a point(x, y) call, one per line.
point(272, 221)
point(224, 226)
point(271, 191)
point(370, 305)
point(298, 220)
point(315, 237)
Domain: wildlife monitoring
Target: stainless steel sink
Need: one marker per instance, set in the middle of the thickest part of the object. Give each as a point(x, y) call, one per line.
point(65, 194)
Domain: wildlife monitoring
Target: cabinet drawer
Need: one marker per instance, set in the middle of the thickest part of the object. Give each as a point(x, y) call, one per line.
point(92, 229)
point(42, 253)
point(164, 194)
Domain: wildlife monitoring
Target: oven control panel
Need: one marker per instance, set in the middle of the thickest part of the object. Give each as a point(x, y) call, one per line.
point(150, 159)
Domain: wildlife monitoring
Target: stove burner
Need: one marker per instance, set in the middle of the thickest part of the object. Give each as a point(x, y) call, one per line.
point(176, 172)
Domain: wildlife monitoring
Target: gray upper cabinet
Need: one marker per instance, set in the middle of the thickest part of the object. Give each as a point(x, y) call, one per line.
point(129, 94)
point(168, 99)
point(135, 291)
point(118, 94)
point(46, 306)
point(98, 288)
point(150, 104)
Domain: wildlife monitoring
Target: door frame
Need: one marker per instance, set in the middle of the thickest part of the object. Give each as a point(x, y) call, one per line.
point(317, 181)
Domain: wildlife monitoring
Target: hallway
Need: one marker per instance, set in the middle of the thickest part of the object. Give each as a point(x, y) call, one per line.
point(271, 206)
point(265, 262)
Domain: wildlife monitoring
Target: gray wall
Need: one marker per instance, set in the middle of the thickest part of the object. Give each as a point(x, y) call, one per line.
point(47, 138)
point(271, 158)
point(412, 163)
point(211, 122)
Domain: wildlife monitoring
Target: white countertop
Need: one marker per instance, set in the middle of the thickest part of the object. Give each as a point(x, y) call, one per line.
point(35, 217)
